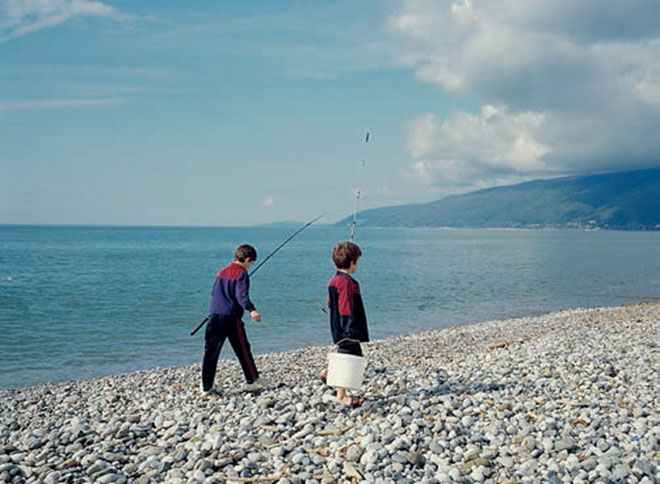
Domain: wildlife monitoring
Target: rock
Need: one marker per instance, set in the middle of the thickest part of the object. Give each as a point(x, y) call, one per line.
point(400, 457)
point(255, 457)
point(567, 443)
point(477, 476)
point(266, 440)
point(353, 453)
point(97, 467)
point(553, 478)
point(17, 457)
point(108, 478)
point(479, 461)
point(436, 447)
point(299, 458)
point(53, 478)
point(471, 453)
point(416, 459)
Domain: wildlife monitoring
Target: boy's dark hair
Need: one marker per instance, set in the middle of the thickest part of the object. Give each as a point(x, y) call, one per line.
point(244, 252)
point(344, 253)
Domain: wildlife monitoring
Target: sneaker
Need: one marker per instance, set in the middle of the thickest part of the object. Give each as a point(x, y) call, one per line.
point(213, 392)
point(258, 384)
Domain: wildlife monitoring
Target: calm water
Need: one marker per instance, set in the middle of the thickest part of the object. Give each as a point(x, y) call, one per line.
point(89, 301)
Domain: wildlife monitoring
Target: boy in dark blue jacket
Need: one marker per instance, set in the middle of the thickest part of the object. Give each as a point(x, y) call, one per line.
point(348, 320)
point(230, 297)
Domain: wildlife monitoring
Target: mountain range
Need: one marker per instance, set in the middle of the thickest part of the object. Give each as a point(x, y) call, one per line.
point(627, 200)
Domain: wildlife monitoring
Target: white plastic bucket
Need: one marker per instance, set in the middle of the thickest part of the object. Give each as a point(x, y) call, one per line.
point(345, 371)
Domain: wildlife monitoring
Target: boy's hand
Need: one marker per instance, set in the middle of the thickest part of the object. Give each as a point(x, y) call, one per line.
point(256, 317)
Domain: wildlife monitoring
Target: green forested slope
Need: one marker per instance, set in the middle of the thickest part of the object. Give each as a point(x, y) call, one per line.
point(624, 200)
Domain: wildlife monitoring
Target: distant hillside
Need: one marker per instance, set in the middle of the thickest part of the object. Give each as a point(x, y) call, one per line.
point(624, 200)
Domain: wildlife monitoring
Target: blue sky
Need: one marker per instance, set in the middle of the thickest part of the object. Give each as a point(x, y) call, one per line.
point(234, 113)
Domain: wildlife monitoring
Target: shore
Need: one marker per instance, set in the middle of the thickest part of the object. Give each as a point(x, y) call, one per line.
point(570, 396)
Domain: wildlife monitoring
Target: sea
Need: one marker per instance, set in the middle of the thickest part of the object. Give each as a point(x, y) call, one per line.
point(89, 301)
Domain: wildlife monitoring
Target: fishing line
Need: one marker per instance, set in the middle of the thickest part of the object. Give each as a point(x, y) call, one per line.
point(358, 193)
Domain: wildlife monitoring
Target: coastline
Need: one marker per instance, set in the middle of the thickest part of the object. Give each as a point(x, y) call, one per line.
point(568, 396)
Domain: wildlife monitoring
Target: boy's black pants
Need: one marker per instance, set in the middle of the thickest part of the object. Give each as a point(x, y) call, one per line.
point(219, 328)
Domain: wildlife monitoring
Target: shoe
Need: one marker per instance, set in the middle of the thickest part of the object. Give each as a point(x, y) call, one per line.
point(354, 402)
point(256, 385)
point(213, 392)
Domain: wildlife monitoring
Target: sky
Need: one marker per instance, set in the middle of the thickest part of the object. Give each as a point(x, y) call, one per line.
point(238, 113)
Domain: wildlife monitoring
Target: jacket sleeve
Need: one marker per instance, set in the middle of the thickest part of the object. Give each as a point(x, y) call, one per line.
point(243, 292)
point(347, 312)
point(345, 300)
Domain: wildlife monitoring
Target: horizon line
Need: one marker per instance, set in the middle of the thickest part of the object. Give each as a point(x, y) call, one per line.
point(118, 225)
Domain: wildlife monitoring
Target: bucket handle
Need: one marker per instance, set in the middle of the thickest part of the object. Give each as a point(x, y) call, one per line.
point(347, 339)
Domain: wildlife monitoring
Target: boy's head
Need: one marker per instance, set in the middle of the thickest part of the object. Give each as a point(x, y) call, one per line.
point(344, 254)
point(245, 253)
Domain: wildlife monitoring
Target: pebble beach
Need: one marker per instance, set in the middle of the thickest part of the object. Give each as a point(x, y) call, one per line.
point(565, 397)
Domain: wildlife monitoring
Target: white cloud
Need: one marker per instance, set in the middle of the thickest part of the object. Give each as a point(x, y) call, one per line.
point(21, 17)
point(57, 103)
point(464, 146)
point(576, 85)
point(269, 201)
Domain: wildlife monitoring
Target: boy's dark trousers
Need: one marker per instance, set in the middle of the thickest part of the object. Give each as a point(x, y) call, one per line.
point(218, 329)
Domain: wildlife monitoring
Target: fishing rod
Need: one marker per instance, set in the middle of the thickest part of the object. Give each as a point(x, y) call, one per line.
point(199, 326)
point(358, 193)
point(285, 242)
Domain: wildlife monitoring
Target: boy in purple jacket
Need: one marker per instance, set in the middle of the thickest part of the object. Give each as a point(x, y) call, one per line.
point(230, 297)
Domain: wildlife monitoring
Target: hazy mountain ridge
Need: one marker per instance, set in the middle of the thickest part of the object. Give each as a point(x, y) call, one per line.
point(624, 200)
